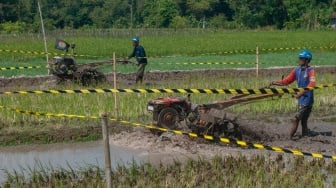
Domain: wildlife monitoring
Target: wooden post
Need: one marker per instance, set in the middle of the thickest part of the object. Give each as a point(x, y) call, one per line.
point(115, 86)
point(44, 35)
point(108, 172)
point(257, 62)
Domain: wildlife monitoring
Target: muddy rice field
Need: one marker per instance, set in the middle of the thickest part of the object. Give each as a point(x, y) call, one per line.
point(272, 130)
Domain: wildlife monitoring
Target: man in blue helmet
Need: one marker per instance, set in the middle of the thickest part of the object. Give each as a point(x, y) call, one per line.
point(141, 59)
point(304, 75)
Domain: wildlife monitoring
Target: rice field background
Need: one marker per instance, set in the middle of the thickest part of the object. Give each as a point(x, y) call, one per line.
point(168, 50)
point(165, 48)
point(186, 46)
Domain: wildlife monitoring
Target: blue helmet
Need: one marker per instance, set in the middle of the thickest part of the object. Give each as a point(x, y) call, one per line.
point(136, 39)
point(306, 54)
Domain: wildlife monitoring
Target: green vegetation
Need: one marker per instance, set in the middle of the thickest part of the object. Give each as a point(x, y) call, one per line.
point(177, 47)
point(166, 47)
point(21, 15)
point(132, 107)
point(194, 31)
point(188, 43)
point(239, 171)
point(186, 63)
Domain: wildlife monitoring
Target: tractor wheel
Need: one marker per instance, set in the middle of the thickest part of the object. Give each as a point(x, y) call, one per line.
point(168, 118)
point(62, 68)
point(91, 77)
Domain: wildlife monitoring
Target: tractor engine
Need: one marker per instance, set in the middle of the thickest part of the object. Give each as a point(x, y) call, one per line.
point(169, 112)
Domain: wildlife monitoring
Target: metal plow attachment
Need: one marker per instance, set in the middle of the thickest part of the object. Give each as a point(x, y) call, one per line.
point(238, 99)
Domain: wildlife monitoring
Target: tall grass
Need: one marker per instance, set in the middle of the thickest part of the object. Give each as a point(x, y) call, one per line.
point(204, 46)
point(132, 106)
point(255, 171)
point(175, 44)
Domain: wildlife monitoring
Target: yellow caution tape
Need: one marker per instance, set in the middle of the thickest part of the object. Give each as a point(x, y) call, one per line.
point(183, 91)
point(28, 52)
point(21, 68)
point(47, 114)
point(110, 63)
point(211, 63)
point(239, 51)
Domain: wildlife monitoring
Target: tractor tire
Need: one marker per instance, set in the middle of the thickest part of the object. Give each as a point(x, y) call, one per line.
point(168, 118)
point(91, 77)
point(65, 67)
point(62, 68)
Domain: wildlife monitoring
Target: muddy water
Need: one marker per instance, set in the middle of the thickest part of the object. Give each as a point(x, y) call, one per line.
point(62, 155)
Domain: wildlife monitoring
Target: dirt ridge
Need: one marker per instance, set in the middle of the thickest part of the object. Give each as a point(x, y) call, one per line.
point(39, 81)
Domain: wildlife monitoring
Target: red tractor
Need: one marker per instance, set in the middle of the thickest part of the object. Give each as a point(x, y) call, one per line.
point(204, 119)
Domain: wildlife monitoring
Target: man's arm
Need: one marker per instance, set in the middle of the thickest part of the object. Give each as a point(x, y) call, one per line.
point(132, 54)
point(311, 76)
point(288, 80)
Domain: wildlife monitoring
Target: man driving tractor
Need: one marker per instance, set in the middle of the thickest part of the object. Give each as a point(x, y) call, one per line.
point(304, 75)
point(141, 59)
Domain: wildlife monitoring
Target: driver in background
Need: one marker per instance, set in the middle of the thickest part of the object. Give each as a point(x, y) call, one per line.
point(141, 59)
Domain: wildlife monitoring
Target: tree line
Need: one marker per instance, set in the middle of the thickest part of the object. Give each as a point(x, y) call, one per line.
point(23, 15)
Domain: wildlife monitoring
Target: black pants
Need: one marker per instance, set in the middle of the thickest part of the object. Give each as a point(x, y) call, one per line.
point(303, 112)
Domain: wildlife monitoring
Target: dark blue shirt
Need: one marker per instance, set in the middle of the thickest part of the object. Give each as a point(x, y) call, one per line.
point(140, 54)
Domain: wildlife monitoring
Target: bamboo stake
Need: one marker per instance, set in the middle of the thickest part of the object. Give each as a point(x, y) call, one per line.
point(257, 62)
point(44, 35)
point(107, 153)
point(115, 85)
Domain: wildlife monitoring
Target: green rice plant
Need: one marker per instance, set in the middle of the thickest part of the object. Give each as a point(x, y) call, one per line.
point(168, 64)
point(171, 44)
point(239, 171)
point(179, 47)
point(132, 106)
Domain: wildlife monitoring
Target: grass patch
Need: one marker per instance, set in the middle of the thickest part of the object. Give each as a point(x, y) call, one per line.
point(332, 119)
point(177, 63)
point(132, 107)
point(177, 43)
point(255, 171)
point(180, 47)
point(73, 131)
point(177, 47)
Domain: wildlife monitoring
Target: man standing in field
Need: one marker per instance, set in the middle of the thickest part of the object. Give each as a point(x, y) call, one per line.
point(304, 75)
point(141, 59)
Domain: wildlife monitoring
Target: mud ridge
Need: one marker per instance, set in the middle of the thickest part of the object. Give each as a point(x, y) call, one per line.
point(7, 83)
